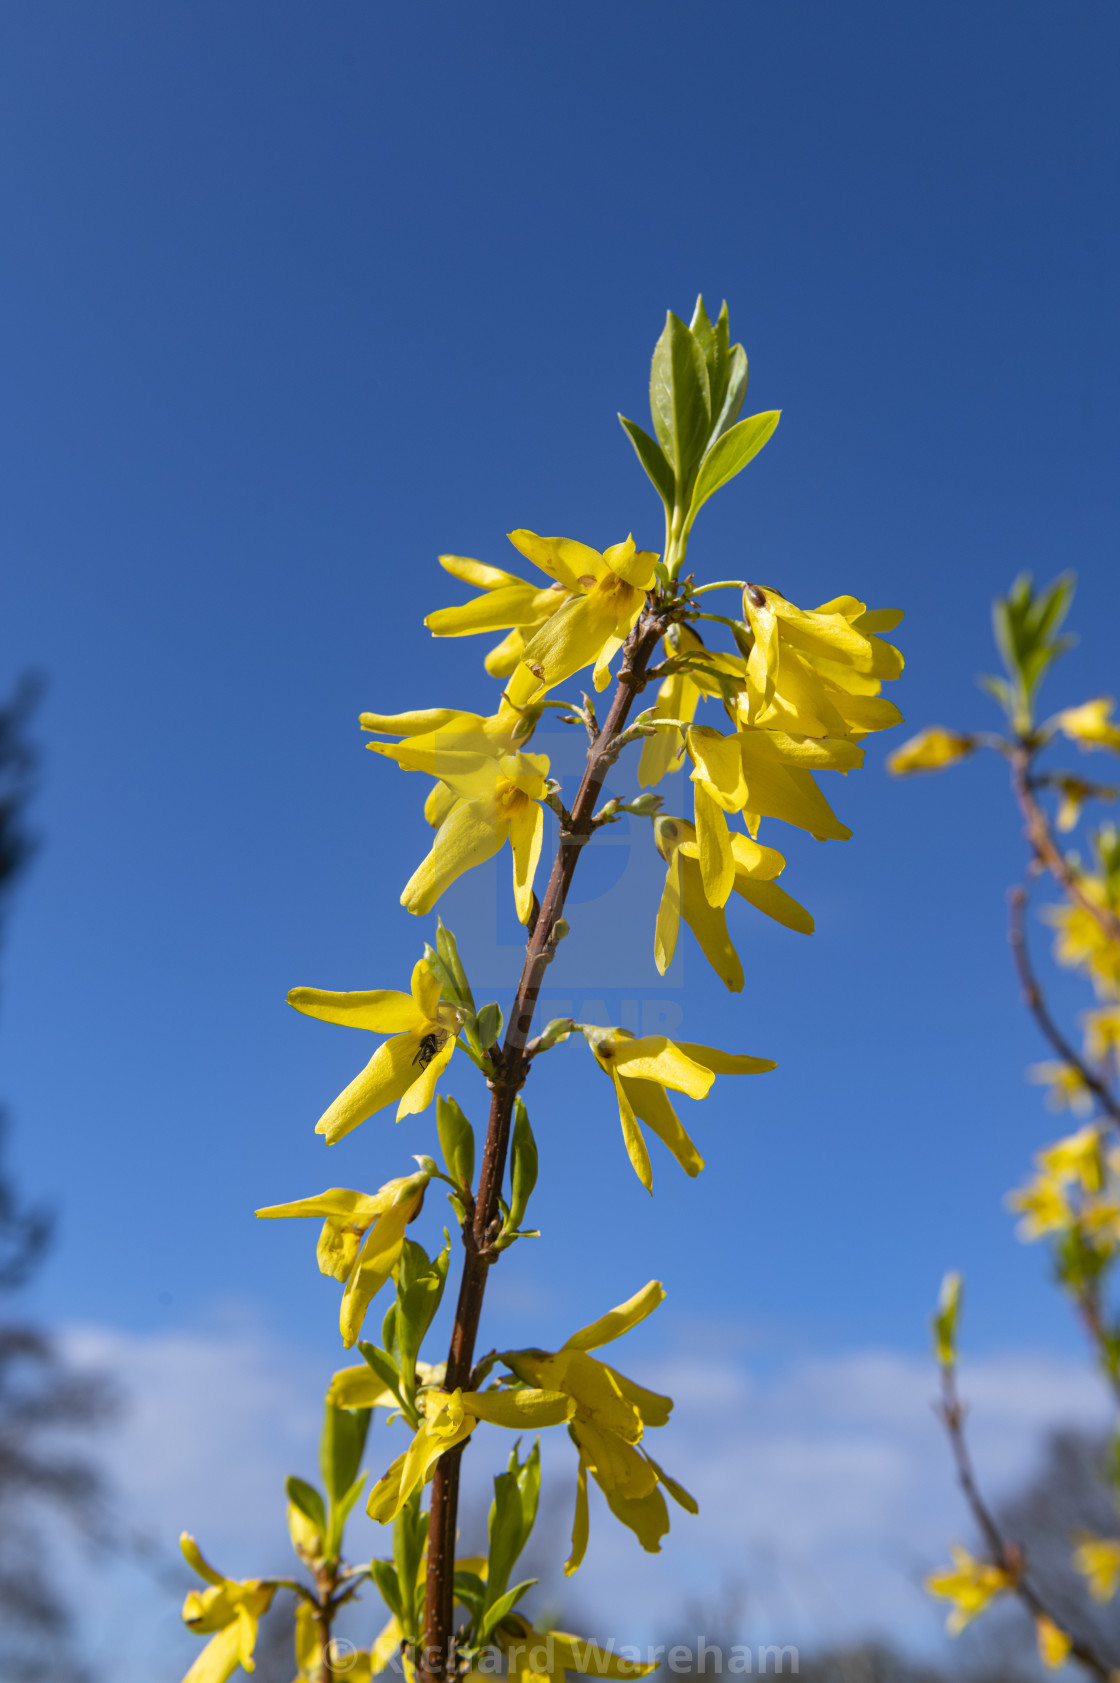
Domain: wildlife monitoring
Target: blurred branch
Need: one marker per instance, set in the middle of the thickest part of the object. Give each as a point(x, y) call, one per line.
point(1046, 849)
point(1005, 1554)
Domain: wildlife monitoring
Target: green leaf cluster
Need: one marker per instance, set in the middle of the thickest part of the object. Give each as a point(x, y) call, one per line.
point(1027, 625)
point(698, 382)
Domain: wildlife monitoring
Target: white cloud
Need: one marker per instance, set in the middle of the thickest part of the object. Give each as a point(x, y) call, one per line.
point(825, 1487)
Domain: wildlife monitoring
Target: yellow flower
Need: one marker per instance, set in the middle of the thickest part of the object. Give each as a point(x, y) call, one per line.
point(608, 593)
point(231, 1609)
point(930, 750)
point(354, 1664)
point(818, 672)
point(546, 1656)
point(359, 1387)
point(610, 1414)
point(683, 896)
point(762, 774)
point(970, 1585)
point(361, 1240)
point(449, 1420)
point(1076, 1158)
point(1067, 1087)
point(1102, 1034)
point(642, 1070)
point(1053, 1642)
point(1081, 943)
point(1090, 725)
point(508, 603)
point(405, 1067)
point(1098, 1561)
point(494, 797)
point(1044, 1206)
point(434, 731)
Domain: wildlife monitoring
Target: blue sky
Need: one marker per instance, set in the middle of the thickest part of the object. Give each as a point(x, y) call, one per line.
point(297, 297)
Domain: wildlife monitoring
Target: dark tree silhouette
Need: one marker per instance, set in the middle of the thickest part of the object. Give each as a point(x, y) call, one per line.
point(44, 1402)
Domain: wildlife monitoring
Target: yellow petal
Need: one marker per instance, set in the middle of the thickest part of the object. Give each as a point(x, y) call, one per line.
point(469, 836)
point(661, 753)
point(526, 832)
point(653, 1408)
point(498, 610)
point(634, 565)
point(359, 1387)
point(219, 1659)
point(563, 559)
point(646, 1516)
point(524, 1410)
point(709, 924)
point(719, 765)
point(618, 1466)
point(571, 639)
point(438, 804)
point(724, 1063)
point(420, 1094)
point(651, 1106)
point(478, 573)
point(337, 1201)
point(656, 1058)
point(632, 1136)
point(619, 1320)
point(668, 916)
point(580, 1524)
point(383, 1010)
point(389, 1074)
point(195, 1558)
point(376, 1260)
point(713, 843)
point(776, 903)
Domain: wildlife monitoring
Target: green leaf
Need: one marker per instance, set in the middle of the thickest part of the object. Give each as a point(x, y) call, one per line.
point(384, 1575)
point(340, 1447)
point(679, 401)
point(1026, 623)
point(384, 1366)
point(489, 1025)
point(729, 455)
point(738, 374)
point(650, 454)
point(512, 1515)
point(307, 1499)
point(410, 1532)
point(714, 341)
point(469, 1592)
point(456, 1141)
point(419, 1291)
point(448, 949)
point(505, 1604)
point(523, 1165)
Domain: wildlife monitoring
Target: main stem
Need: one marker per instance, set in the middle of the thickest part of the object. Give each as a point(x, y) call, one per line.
point(511, 1069)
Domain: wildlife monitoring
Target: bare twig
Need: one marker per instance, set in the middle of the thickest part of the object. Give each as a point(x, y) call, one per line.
point(1036, 1004)
point(1046, 848)
point(1005, 1554)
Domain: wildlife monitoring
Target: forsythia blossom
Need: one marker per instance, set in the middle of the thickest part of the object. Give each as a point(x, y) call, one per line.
point(970, 1585)
point(228, 1612)
point(406, 1067)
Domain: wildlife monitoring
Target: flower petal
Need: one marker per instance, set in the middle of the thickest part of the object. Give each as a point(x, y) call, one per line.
point(651, 1106)
point(382, 1010)
point(619, 1320)
point(389, 1073)
point(469, 836)
point(526, 832)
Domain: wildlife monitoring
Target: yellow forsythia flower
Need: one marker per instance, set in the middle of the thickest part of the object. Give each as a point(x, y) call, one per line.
point(1076, 1158)
point(678, 697)
point(1098, 1561)
point(1067, 1089)
point(230, 1609)
point(608, 1421)
point(818, 672)
point(406, 1067)
point(755, 868)
point(508, 603)
point(547, 1656)
point(433, 731)
point(361, 1239)
point(1090, 725)
point(1044, 1207)
point(449, 1420)
point(607, 595)
point(969, 1584)
point(930, 750)
point(641, 1070)
point(1053, 1643)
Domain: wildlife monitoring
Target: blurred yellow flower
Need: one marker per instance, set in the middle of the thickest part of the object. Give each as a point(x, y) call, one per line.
point(969, 1584)
point(1098, 1561)
point(1053, 1642)
point(229, 1612)
point(930, 750)
point(1090, 725)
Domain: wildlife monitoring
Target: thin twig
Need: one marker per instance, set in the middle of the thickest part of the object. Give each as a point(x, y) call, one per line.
point(1046, 848)
point(1036, 1004)
point(1008, 1556)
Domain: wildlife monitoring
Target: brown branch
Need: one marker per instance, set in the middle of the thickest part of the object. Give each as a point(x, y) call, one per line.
point(1046, 848)
point(511, 1067)
point(1006, 1555)
point(1036, 1004)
